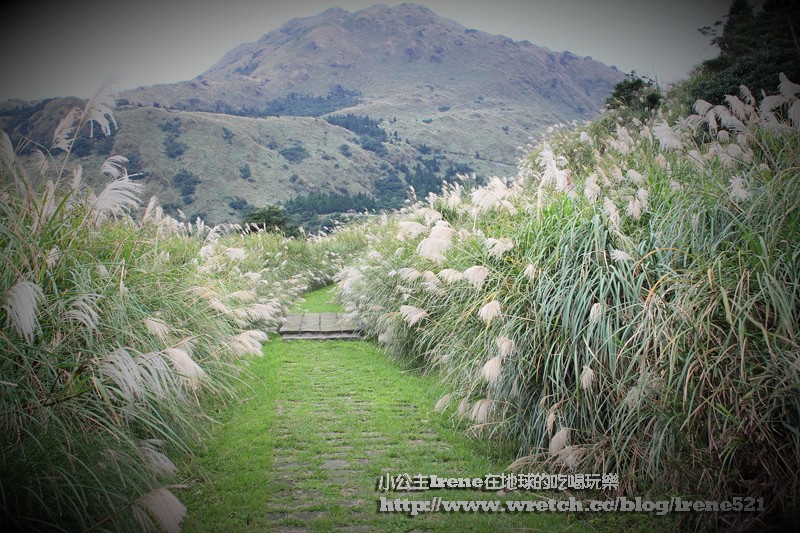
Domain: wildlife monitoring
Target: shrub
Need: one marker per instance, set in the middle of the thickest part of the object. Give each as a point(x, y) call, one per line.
point(294, 154)
point(632, 311)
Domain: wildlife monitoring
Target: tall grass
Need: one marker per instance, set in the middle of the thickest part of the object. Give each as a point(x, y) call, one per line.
point(628, 303)
point(115, 321)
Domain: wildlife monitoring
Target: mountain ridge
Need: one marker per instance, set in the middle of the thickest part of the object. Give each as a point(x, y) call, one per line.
point(445, 99)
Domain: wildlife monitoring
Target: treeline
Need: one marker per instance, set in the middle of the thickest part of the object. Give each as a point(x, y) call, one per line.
point(755, 47)
point(304, 105)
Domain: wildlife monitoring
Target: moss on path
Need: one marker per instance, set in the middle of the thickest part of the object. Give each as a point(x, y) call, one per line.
point(320, 424)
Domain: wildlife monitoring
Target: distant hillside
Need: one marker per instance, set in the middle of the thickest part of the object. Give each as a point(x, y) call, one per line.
point(261, 124)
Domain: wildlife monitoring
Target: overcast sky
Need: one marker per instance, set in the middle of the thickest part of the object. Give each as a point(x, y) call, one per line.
point(71, 47)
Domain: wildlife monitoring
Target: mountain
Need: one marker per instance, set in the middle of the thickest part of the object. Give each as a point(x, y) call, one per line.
point(366, 102)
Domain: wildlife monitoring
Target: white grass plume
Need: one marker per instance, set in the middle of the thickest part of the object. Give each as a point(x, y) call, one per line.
point(620, 255)
point(433, 249)
point(476, 275)
point(667, 137)
point(738, 189)
point(442, 403)
point(449, 275)
point(587, 377)
point(559, 440)
point(490, 311)
point(248, 342)
point(124, 371)
point(162, 505)
point(21, 303)
point(492, 369)
point(155, 459)
point(63, 135)
point(408, 229)
point(157, 327)
point(480, 411)
point(442, 232)
point(505, 346)
point(497, 247)
point(116, 197)
point(184, 365)
point(412, 315)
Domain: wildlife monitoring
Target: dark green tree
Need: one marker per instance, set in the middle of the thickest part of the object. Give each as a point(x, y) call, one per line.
point(272, 218)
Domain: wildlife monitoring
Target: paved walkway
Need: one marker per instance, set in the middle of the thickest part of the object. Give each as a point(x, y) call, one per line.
point(319, 326)
point(344, 417)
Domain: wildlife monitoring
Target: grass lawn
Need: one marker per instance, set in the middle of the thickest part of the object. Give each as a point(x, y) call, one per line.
point(318, 423)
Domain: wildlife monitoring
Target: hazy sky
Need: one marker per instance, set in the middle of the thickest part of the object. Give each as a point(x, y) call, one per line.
point(70, 48)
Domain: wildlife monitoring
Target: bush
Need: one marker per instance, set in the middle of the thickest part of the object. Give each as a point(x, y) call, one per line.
point(294, 154)
point(634, 310)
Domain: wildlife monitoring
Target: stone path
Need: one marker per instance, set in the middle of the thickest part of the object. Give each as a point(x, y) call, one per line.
point(345, 416)
point(319, 326)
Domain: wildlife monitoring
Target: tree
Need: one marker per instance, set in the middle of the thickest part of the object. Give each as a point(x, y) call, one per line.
point(272, 218)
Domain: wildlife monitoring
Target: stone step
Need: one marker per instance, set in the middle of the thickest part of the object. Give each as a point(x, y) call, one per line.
point(321, 326)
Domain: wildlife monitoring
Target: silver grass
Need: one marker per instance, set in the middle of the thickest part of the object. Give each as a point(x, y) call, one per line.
point(40, 162)
point(184, 365)
point(124, 371)
point(428, 215)
point(497, 247)
point(738, 189)
point(746, 95)
point(505, 346)
point(772, 102)
point(794, 114)
point(21, 303)
point(407, 229)
point(83, 311)
point(596, 313)
point(155, 459)
point(551, 420)
point(8, 157)
point(53, 257)
point(559, 440)
point(162, 505)
point(248, 342)
point(155, 374)
point(409, 274)
point(570, 456)
point(98, 110)
point(433, 249)
point(114, 167)
point(489, 312)
point(475, 275)
point(63, 135)
point(117, 196)
point(610, 210)
point(442, 404)
point(492, 369)
point(412, 315)
point(480, 411)
point(236, 253)
point(620, 255)
point(786, 87)
point(702, 107)
point(739, 109)
point(252, 276)
point(442, 232)
point(591, 189)
point(587, 377)
point(531, 272)
point(634, 208)
point(449, 275)
point(244, 296)
point(157, 328)
point(634, 176)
